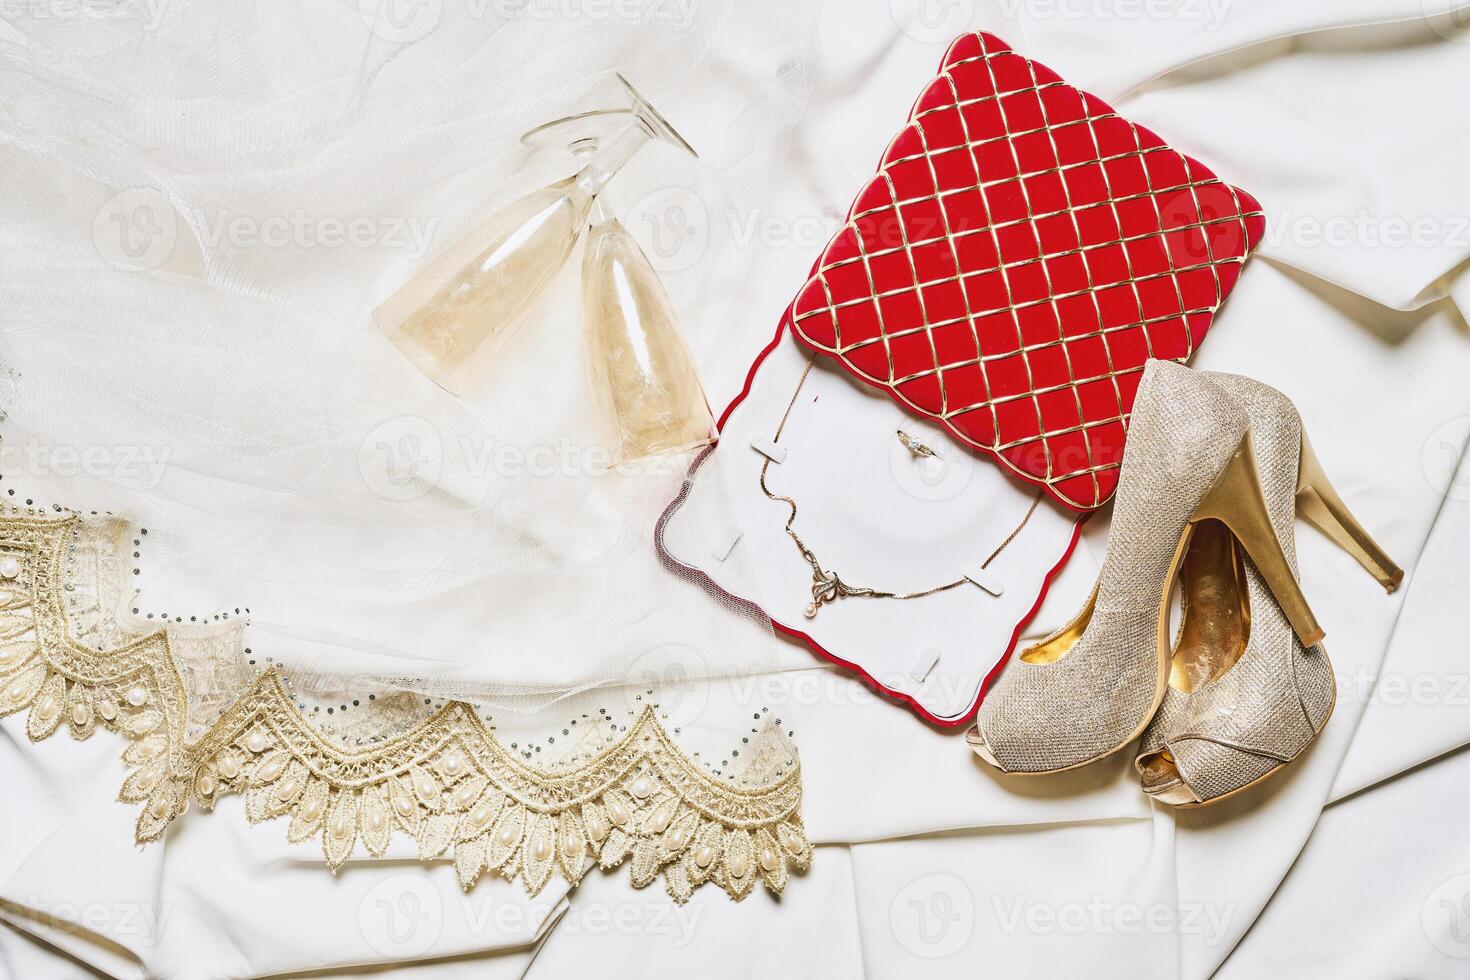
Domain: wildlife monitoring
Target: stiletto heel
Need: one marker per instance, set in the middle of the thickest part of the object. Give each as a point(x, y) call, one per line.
point(1236, 500)
point(1322, 508)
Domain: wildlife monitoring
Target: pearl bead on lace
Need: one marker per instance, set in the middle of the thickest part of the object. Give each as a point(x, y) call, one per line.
point(705, 856)
point(137, 696)
point(9, 568)
point(46, 708)
point(597, 827)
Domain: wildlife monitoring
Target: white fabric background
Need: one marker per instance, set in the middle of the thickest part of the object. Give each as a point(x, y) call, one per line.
point(257, 371)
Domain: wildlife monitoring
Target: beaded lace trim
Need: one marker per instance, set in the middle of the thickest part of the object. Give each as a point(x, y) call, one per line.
point(448, 783)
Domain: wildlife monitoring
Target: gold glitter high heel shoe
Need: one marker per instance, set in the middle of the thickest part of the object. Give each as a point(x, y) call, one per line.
point(1089, 689)
point(1246, 694)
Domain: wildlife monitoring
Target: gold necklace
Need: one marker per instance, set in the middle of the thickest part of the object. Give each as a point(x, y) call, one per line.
point(828, 586)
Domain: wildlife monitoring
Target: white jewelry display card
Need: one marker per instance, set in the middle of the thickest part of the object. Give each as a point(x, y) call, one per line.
point(883, 501)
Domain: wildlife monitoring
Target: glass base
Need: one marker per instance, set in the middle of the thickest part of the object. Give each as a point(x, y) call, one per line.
point(585, 131)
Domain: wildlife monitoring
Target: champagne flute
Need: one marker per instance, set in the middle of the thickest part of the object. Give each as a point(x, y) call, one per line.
point(641, 370)
point(454, 315)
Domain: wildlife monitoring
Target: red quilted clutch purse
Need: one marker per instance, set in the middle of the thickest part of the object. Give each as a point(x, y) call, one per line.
point(1021, 252)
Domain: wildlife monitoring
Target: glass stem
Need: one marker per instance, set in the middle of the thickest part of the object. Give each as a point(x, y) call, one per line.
point(610, 158)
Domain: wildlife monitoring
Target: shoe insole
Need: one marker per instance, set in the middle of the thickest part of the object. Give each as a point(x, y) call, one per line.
point(1215, 616)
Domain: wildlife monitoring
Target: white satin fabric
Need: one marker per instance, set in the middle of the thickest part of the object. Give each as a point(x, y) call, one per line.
point(259, 370)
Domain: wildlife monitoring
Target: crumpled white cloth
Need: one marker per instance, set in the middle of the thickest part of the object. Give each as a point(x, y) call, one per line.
point(1345, 120)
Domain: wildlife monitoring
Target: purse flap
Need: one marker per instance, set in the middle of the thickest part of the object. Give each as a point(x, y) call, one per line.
point(1021, 253)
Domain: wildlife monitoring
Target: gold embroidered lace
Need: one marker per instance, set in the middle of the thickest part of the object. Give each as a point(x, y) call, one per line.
point(446, 781)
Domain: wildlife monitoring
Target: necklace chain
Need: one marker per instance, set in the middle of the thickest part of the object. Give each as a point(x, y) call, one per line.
point(828, 586)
